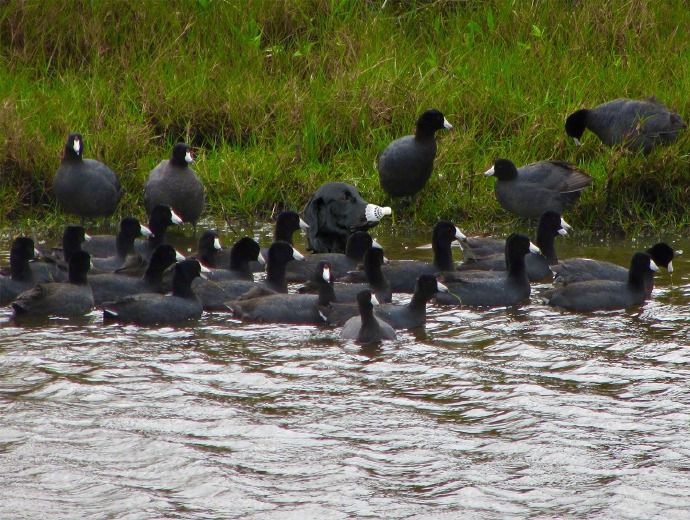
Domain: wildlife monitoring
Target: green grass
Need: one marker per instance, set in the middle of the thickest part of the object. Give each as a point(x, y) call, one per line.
point(279, 96)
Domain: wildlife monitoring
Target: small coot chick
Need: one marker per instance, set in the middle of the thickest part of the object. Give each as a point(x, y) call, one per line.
point(130, 229)
point(85, 187)
point(289, 308)
point(636, 124)
point(334, 212)
point(154, 308)
point(20, 277)
point(405, 165)
point(478, 256)
point(243, 253)
point(73, 298)
point(111, 286)
point(173, 183)
point(402, 274)
point(542, 186)
point(597, 295)
point(341, 263)
point(367, 328)
point(485, 288)
point(573, 270)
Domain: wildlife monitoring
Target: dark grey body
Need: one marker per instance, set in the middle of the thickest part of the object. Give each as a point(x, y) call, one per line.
point(541, 186)
point(637, 124)
point(177, 187)
point(370, 332)
point(406, 164)
point(596, 295)
point(110, 287)
point(280, 308)
point(55, 299)
point(86, 188)
point(151, 309)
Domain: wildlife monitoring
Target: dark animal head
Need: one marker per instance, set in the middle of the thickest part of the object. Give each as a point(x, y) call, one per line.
point(334, 212)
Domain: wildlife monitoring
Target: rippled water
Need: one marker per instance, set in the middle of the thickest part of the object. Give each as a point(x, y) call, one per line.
point(504, 413)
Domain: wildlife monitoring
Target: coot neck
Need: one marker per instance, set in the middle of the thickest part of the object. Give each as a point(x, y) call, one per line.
point(354, 250)
point(516, 266)
point(239, 264)
point(637, 279)
point(275, 275)
point(283, 232)
point(372, 270)
point(19, 269)
point(154, 274)
point(419, 300)
point(77, 275)
point(443, 256)
point(370, 328)
point(326, 293)
point(423, 134)
point(124, 244)
point(546, 243)
point(208, 257)
point(70, 247)
point(181, 286)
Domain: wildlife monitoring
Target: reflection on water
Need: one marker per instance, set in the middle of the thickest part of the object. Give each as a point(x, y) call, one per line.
point(503, 413)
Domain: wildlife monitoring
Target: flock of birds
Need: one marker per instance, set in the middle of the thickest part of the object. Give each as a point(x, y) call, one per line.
point(137, 277)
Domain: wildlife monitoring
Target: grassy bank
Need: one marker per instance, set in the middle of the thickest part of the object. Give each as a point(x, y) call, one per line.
point(279, 96)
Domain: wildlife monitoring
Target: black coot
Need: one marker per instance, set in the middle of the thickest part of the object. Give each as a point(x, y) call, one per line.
point(405, 165)
point(85, 187)
point(173, 183)
point(130, 229)
point(367, 328)
point(488, 253)
point(154, 308)
point(73, 298)
point(487, 288)
point(111, 286)
point(542, 186)
point(606, 294)
point(20, 276)
point(574, 270)
point(636, 124)
point(289, 308)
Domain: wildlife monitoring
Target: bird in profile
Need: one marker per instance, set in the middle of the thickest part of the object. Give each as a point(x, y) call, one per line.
point(406, 164)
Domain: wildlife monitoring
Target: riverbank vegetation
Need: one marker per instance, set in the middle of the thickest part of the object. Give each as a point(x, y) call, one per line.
point(279, 96)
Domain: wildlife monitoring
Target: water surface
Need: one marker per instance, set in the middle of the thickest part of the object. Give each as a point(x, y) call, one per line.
point(522, 412)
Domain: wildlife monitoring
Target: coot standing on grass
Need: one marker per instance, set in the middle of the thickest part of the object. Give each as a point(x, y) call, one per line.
point(173, 183)
point(405, 165)
point(85, 187)
point(542, 186)
point(637, 124)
